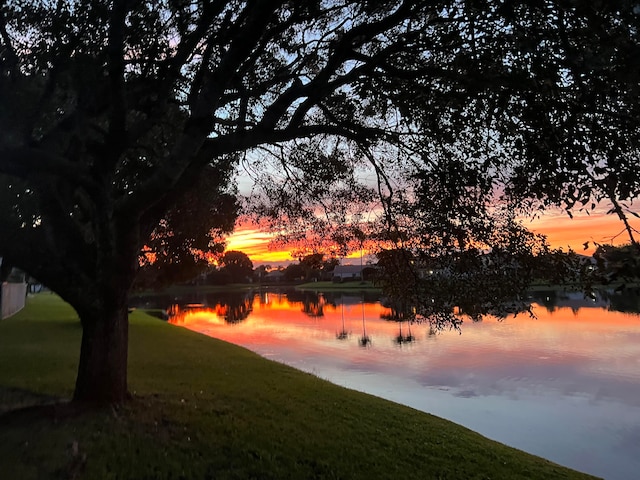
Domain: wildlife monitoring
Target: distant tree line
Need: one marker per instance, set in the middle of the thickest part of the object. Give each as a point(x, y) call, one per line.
point(236, 267)
point(610, 265)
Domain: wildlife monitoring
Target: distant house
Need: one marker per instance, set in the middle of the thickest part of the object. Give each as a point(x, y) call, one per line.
point(347, 272)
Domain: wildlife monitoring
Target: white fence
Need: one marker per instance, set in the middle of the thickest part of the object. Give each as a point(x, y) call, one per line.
point(13, 298)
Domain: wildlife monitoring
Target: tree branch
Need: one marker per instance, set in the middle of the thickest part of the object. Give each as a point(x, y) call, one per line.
point(186, 153)
point(30, 163)
point(117, 136)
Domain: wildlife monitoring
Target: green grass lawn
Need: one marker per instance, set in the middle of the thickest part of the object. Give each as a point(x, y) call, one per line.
point(343, 286)
point(205, 409)
point(316, 286)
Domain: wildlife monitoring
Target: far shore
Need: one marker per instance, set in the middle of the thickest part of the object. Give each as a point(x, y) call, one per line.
point(325, 286)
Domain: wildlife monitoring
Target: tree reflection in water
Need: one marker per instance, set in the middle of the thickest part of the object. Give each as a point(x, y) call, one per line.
point(233, 307)
point(342, 334)
point(236, 307)
point(312, 302)
point(402, 339)
point(625, 300)
point(364, 340)
point(313, 309)
point(400, 314)
point(238, 311)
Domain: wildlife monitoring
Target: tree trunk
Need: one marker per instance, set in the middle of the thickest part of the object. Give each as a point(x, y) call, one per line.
point(102, 370)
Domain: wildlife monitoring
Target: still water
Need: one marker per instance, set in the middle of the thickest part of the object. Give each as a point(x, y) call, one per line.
point(564, 385)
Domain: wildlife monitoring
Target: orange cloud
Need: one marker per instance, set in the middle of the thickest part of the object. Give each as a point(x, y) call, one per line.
point(256, 244)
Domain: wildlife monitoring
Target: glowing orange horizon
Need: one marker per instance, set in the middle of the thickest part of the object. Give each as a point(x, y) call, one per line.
point(565, 232)
point(292, 327)
point(561, 231)
point(256, 243)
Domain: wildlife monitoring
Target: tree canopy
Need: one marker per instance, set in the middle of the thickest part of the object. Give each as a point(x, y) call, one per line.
point(434, 118)
point(237, 265)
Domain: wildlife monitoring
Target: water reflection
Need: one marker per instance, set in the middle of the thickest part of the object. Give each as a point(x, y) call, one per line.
point(342, 334)
point(364, 340)
point(564, 385)
point(237, 307)
point(400, 314)
point(626, 300)
point(234, 307)
point(239, 304)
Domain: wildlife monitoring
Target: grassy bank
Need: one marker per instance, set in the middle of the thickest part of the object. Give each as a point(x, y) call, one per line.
point(341, 287)
point(236, 287)
point(203, 409)
point(188, 289)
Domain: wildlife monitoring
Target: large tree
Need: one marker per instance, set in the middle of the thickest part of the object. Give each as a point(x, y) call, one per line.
point(110, 111)
point(237, 265)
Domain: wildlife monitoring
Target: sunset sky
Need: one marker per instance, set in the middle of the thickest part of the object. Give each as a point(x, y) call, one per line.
point(562, 232)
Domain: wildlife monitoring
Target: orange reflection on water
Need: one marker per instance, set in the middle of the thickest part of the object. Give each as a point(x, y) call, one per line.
point(273, 318)
point(560, 335)
point(191, 318)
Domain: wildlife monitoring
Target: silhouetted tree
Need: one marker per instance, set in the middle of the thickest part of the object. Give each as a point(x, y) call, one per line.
point(260, 272)
point(294, 272)
point(316, 267)
point(237, 265)
point(617, 265)
point(110, 111)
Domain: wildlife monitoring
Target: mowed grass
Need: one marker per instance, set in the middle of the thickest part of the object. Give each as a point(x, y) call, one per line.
point(334, 286)
point(205, 409)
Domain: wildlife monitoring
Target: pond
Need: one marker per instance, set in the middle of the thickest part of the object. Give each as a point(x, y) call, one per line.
point(564, 385)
